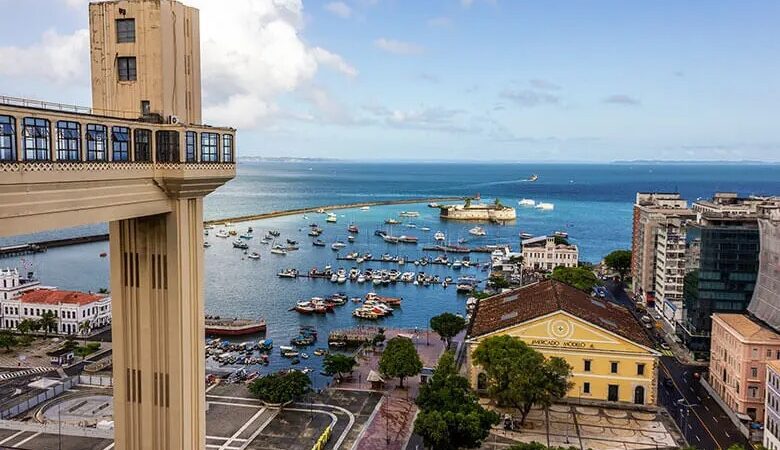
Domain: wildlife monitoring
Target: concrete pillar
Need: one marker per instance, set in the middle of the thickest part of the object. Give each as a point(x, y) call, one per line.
point(158, 354)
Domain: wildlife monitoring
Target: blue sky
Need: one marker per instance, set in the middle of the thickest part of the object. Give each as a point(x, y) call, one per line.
point(478, 80)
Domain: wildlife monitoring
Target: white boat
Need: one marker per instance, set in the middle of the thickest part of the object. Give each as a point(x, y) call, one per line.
point(321, 211)
point(545, 206)
point(206, 244)
point(361, 278)
point(332, 218)
point(425, 229)
point(409, 214)
point(477, 231)
point(525, 235)
point(527, 202)
point(365, 208)
point(457, 265)
point(278, 250)
point(253, 255)
point(222, 234)
point(338, 245)
point(439, 236)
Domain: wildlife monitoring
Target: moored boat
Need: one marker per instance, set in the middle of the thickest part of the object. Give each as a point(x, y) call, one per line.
point(477, 231)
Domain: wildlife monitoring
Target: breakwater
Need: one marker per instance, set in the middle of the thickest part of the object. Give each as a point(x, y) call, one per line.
point(42, 246)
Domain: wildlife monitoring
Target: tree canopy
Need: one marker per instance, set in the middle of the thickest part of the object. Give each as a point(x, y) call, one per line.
point(520, 376)
point(338, 364)
point(400, 359)
point(7, 340)
point(48, 322)
point(498, 282)
point(579, 277)
point(619, 261)
point(280, 387)
point(450, 415)
point(447, 325)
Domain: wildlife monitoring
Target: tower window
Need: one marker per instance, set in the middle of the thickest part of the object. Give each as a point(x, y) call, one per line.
point(125, 30)
point(126, 68)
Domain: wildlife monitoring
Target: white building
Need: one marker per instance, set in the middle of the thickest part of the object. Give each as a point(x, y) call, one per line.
point(670, 267)
point(24, 299)
point(772, 406)
point(543, 253)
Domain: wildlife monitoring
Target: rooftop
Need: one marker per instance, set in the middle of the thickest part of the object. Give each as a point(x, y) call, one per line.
point(747, 329)
point(535, 300)
point(55, 297)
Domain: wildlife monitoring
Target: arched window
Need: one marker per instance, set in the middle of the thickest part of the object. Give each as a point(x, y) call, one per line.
point(482, 381)
point(639, 395)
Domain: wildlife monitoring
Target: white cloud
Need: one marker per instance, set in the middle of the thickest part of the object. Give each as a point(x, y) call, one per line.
point(56, 58)
point(253, 52)
point(398, 47)
point(340, 9)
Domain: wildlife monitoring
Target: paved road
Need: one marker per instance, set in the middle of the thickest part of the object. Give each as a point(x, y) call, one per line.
point(703, 422)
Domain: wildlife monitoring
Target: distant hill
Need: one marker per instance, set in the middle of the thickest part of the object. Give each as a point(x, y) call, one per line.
point(745, 162)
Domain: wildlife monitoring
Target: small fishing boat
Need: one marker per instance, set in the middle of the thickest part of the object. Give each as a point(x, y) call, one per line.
point(407, 239)
point(525, 235)
point(351, 238)
point(433, 205)
point(561, 234)
point(278, 250)
point(206, 244)
point(477, 231)
point(332, 218)
point(304, 356)
point(222, 234)
point(238, 243)
point(391, 221)
point(288, 273)
point(253, 255)
point(318, 243)
point(533, 178)
point(338, 245)
point(439, 236)
point(527, 202)
point(246, 236)
point(409, 214)
point(352, 228)
point(545, 206)
point(425, 229)
point(365, 208)
point(321, 352)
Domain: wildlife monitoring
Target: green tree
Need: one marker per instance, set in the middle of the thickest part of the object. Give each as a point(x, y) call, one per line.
point(498, 282)
point(497, 202)
point(7, 340)
point(619, 261)
point(447, 326)
point(280, 387)
point(25, 326)
point(520, 376)
point(468, 202)
point(338, 364)
point(400, 359)
point(84, 328)
point(579, 277)
point(450, 415)
point(48, 322)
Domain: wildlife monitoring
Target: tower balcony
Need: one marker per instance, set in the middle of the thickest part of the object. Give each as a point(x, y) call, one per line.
point(66, 165)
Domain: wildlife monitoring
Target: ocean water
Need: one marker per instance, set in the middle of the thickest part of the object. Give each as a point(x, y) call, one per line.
point(592, 203)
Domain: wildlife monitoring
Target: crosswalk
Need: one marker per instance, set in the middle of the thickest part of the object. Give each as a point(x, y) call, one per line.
point(667, 352)
point(23, 373)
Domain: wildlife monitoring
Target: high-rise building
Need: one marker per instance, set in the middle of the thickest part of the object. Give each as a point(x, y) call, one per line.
point(727, 238)
point(142, 161)
point(657, 215)
point(772, 406)
point(765, 303)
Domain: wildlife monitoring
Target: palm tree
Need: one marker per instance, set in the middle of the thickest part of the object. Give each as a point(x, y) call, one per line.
point(48, 321)
point(84, 328)
point(25, 326)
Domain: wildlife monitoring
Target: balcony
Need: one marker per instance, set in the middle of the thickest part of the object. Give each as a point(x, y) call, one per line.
point(69, 165)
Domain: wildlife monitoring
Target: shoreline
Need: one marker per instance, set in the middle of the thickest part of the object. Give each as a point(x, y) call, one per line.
point(292, 212)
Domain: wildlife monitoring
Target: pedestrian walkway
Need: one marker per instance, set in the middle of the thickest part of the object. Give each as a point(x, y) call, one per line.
point(23, 373)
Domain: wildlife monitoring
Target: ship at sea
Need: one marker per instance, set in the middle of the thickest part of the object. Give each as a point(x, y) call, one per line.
point(217, 326)
point(532, 178)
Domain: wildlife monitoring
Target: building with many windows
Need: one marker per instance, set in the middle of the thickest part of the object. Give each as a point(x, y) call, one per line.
point(543, 253)
point(765, 303)
point(12, 284)
point(772, 406)
point(70, 309)
point(613, 359)
point(654, 211)
point(741, 347)
point(724, 277)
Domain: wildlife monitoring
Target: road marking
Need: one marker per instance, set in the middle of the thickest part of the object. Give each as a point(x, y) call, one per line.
point(260, 429)
point(706, 407)
point(690, 427)
point(698, 398)
point(9, 438)
point(22, 442)
point(236, 404)
point(715, 419)
point(109, 446)
point(727, 434)
point(691, 389)
point(241, 430)
point(666, 369)
point(698, 438)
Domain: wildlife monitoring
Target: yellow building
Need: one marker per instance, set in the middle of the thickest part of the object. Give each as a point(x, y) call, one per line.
point(612, 357)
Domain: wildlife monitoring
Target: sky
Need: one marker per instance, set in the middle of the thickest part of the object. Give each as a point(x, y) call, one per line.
point(488, 80)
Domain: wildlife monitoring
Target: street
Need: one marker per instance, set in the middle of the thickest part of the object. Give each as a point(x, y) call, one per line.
point(702, 421)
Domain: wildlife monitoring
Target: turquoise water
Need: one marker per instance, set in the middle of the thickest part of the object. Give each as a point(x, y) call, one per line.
point(592, 203)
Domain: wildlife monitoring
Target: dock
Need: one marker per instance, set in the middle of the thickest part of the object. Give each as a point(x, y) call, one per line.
point(40, 247)
point(354, 336)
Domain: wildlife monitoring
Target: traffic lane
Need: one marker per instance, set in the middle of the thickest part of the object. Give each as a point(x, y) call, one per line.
point(708, 411)
point(694, 428)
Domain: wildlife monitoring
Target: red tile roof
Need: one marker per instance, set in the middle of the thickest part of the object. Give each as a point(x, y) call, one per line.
point(539, 299)
point(55, 296)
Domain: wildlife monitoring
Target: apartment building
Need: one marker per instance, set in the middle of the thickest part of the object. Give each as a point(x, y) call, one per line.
point(740, 350)
point(772, 406)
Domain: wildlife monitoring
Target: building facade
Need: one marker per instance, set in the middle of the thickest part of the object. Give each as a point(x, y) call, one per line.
point(70, 309)
point(652, 211)
point(12, 284)
point(670, 266)
point(728, 247)
point(542, 253)
point(765, 303)
point(612, 358)
point(739, 353)
point(772, 406)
